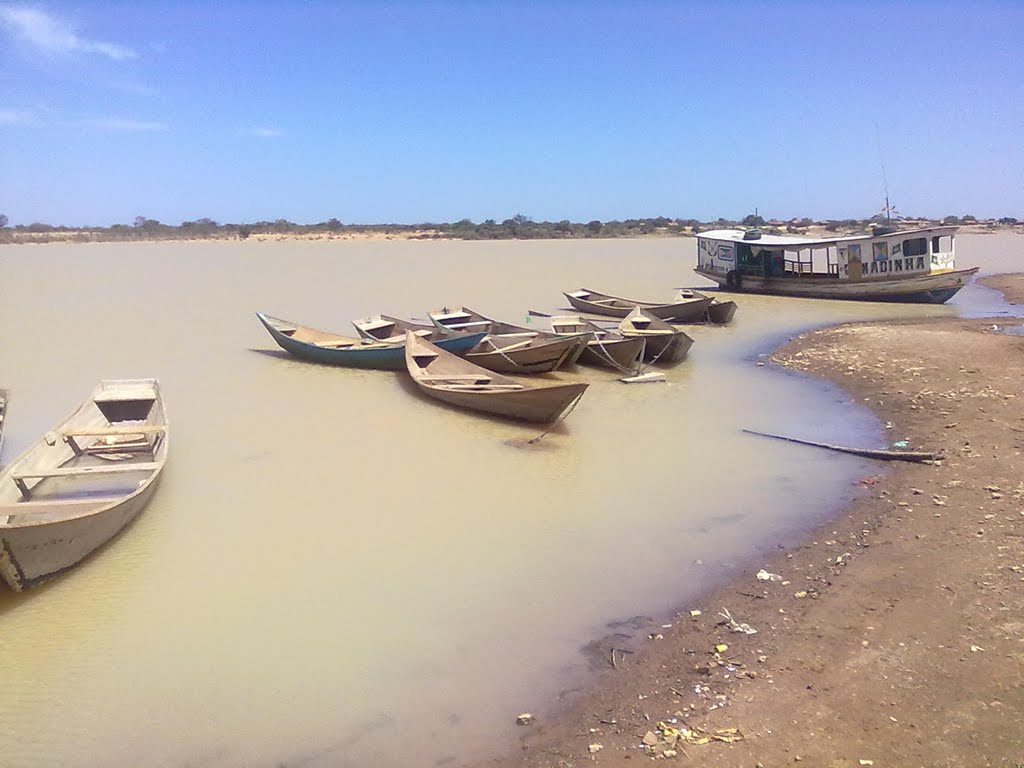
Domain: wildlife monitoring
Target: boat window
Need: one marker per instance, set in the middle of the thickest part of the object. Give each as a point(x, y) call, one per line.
point(918, 246)
point(942, 244)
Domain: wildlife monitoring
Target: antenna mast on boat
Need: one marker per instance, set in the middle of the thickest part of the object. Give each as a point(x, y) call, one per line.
point(888, 209)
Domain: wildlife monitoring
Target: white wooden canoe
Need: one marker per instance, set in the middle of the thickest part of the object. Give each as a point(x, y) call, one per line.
point(687, 306)
point(82, 482)
point(606, 347)
point(665, 343)
point(507, 337)
point(459, 382)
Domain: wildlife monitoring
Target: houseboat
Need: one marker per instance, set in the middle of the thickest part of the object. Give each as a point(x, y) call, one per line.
point(886, 264)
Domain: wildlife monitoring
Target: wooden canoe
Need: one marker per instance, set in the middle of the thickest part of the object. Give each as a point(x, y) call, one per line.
point(721, 312)
point(83, 482)
point(606, 347)
point(686, 307)
point(665, 343)
point(388, 328)
point(330, 348)
point(459, 382)
point(502, 334)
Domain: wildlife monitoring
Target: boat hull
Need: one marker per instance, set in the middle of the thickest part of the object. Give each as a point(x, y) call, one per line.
point(721, 312)
point(543, 357)
point(31, 553)
point(542, 404)
point(613, 353)
point(378, 355)
point(920, 289)
point(689, 311)
point(83, 482)
point(668, 348)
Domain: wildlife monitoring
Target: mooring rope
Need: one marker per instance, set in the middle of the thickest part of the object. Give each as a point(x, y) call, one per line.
point(553, 424)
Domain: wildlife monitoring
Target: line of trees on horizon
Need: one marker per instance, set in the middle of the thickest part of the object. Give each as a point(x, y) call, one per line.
point(519, 227)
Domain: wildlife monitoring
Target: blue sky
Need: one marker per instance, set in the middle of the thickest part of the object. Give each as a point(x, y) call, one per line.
point(416, 112)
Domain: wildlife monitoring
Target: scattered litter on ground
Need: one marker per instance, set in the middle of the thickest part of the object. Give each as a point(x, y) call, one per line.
point(763, 575)
point(668, 739)
point(736, 626)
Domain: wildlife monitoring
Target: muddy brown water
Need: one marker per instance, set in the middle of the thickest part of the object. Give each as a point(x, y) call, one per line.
point(336, 571)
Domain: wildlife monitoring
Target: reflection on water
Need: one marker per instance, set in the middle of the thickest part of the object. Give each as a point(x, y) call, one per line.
point(338, 572)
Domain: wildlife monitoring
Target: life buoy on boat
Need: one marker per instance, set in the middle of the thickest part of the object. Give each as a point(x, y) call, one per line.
point(732, 279)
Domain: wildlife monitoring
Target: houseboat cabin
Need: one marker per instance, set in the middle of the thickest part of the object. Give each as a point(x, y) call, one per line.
point(914, 265)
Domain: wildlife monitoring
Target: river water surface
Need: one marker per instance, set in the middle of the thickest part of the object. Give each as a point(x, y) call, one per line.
point(338, 572)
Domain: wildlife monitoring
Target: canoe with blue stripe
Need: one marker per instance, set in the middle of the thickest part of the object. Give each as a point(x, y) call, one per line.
point(333, 349)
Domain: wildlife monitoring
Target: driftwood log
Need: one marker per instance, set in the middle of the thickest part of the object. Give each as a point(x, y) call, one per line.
point(869, 453)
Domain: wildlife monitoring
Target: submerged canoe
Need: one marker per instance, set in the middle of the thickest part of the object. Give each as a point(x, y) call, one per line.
point(81, 483)
point(330, 348)
point(664, 343)
point(686, 307)
point(457, 381)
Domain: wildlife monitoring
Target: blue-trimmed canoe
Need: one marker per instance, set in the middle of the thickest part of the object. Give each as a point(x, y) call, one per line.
point(330, 348)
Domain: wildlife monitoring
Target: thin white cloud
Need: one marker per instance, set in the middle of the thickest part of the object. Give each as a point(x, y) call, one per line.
point(55, 36)
point(124, 126)
point(16, 117)
point(265, 133)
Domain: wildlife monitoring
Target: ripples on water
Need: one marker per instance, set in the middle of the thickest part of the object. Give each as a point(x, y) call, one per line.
point(336, 571)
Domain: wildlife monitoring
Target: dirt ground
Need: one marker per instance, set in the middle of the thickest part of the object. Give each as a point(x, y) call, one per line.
point(893, 636)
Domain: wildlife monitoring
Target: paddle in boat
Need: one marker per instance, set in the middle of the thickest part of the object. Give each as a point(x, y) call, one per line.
point(606, 347)
point(664, 342)
point(333, 349)
point(885, 264)
point(81, 483)
point(686, 307)
point(459, 382)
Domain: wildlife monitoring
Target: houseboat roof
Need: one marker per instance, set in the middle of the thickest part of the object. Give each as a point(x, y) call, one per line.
point(741, 236)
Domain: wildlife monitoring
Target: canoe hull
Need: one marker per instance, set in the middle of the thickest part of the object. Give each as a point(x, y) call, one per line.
point(721, 312)
point(918, 289)
point(457, 381)
point(31, 554)
point(686, 311)
point(542, 357)
point(613, 353)
point(83, 482)
point(667, 348)
point(377, 355)
point(542, 404)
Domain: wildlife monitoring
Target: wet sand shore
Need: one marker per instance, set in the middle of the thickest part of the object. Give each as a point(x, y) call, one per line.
point(893, 635)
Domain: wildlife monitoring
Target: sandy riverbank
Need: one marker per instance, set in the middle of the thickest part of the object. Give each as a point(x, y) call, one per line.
point(894, 634)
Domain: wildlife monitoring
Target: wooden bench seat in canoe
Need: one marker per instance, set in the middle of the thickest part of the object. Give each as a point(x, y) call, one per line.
point(484, 387)
point(58, 508)
point(114, 439)
point(474, 377)
point(144, 429)
point(334, 343)
point(462, 325)
point(101, 469)
point(509, 347)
